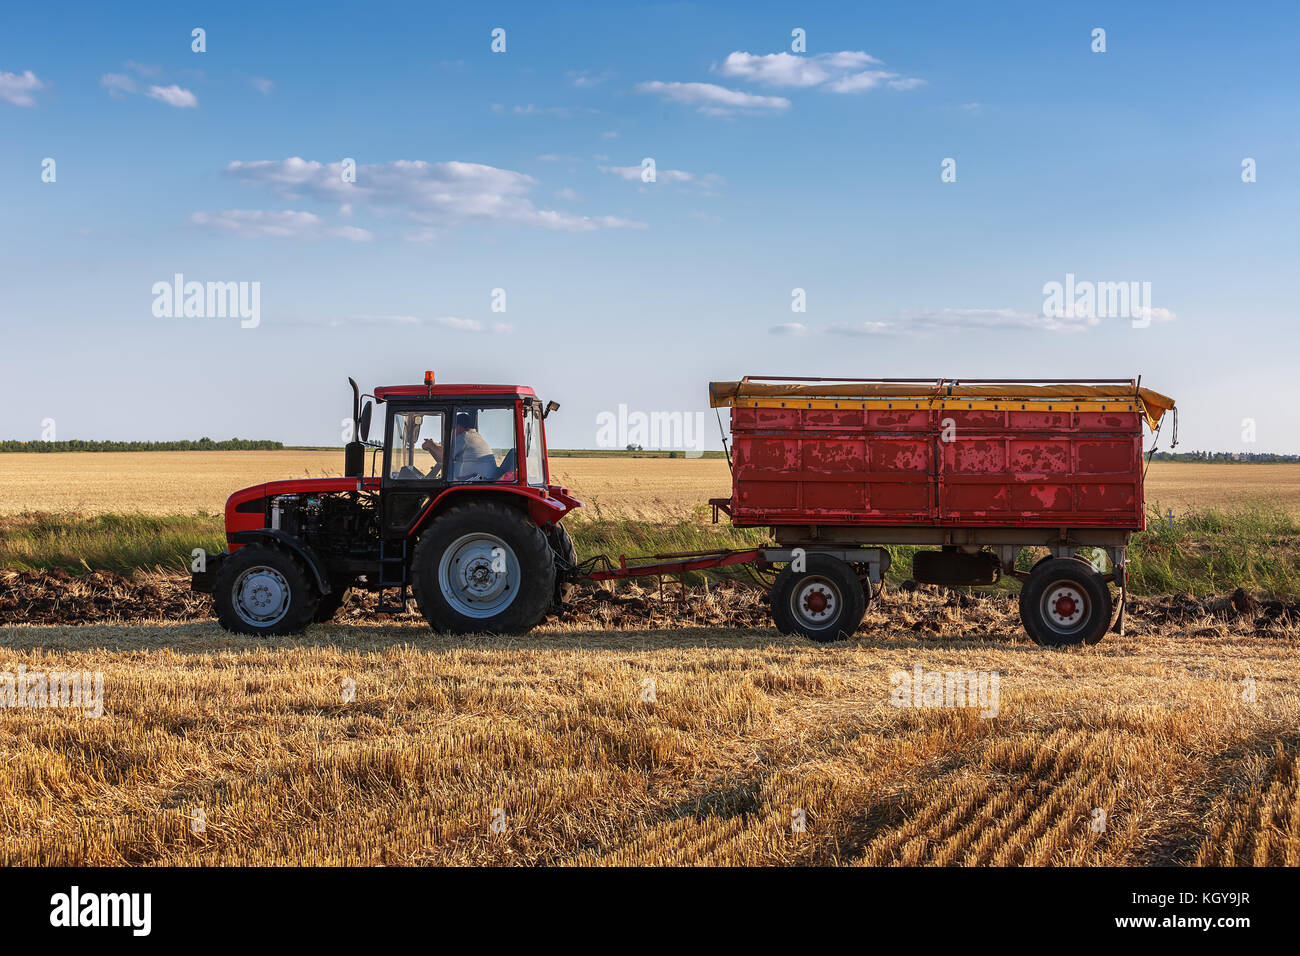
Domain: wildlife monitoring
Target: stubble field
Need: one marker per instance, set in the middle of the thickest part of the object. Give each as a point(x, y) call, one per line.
point(604, 742)
point(639, 729)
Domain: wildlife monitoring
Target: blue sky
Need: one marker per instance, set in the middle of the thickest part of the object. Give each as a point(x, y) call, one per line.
point(520, 171)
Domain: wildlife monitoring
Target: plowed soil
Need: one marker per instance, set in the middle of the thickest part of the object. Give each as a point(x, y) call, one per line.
point(56, 597)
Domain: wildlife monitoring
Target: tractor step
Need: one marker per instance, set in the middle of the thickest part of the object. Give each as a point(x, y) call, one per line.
point(392, 565)
point(397, 608)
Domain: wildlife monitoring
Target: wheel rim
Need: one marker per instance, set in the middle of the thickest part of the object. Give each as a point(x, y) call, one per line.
point(479, 575)
point(1065, 607)
point(815, 601)
point(262, 596)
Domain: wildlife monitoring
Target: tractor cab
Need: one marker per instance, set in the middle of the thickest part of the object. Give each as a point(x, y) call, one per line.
point(443, 438)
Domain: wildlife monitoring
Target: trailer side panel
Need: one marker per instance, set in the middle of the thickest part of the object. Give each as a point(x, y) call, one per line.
point(944, 463)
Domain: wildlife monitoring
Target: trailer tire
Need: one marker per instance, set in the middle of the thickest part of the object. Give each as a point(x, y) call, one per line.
point(459, 588)
point(1065, 602)
point(824, 602)
point(263, 590)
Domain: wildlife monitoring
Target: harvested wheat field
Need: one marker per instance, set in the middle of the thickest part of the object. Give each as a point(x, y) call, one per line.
point(644, 731)
point(154, 482)
point(649, 489)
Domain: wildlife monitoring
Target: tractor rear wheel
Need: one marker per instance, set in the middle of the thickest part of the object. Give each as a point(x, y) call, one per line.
point(263, 590)
point(1065, 601)
point(825, 602)
point(330, 603)
point(567, 556)
point(483, 567)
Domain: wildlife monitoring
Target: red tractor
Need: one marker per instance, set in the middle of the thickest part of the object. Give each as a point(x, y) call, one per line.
point(460, 511)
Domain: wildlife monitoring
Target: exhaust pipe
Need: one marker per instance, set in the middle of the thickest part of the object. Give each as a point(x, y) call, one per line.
point(354, 452)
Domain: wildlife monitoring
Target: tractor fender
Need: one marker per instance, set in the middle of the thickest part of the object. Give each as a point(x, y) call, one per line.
point(286, 540)
point(542, 509)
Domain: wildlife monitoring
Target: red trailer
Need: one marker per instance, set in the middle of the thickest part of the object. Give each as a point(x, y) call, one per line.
point(973, 469)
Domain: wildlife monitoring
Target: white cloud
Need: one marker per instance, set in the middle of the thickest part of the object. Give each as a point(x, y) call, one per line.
point(117, 84)
point(938, 321)
point(460, 325)
point(848, 71)
point(263, 85)
point(712, 99)
point(531, 109)
point(354, 233)
point(633, 174)
point(861, 328)
point(276, 224)
point(563, 220)
point(472, 325)
point(866, 80)
point(18, 88)
point(581, 78)
point(432, 195)
point(120, 84)
point(567, 194)
point(173, 95)
point(1154, 314)
point(384, 319)
point(788, 328)
point(336, 322)
point(452, 322)
point(786, 69)
point(956, 319)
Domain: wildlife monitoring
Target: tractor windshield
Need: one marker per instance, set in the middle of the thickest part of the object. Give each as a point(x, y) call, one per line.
point(483, 444)
point(408, 427)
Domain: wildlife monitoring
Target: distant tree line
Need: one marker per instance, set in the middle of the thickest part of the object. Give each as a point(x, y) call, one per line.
point(1219, 456)
point(203, 444)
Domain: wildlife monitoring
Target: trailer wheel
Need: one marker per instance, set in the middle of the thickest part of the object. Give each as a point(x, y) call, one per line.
point(824, 602)
point(483, 568)
point(263, 590)
point(1065, 601)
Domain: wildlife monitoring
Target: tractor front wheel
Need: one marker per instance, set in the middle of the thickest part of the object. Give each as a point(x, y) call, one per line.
point(263, 590)
point(483, 568)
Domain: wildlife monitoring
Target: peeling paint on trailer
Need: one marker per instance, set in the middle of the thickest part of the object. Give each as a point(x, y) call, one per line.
point(945, 467)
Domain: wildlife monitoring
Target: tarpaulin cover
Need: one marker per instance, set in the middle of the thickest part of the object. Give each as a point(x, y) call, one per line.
point(1154, 405)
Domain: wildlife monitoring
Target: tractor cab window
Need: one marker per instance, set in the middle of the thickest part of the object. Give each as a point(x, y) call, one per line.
point(483, 444)
point(413, 434)
point(534, 463)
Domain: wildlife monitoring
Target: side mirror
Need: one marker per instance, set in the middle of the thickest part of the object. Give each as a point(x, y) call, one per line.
point(551, 407)
point(363, 424)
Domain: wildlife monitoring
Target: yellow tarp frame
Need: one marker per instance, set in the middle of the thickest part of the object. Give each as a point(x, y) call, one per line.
point(941, 393)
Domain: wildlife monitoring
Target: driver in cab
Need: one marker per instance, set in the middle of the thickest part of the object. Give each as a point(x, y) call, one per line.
point(470, 453)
